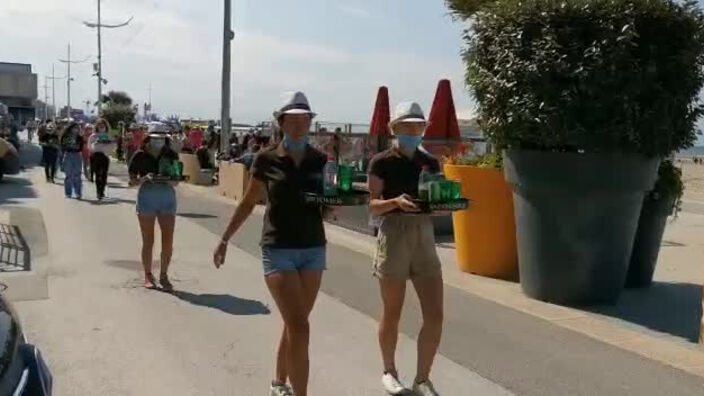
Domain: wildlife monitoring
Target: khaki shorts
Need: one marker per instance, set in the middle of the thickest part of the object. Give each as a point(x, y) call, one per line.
point(405, 248)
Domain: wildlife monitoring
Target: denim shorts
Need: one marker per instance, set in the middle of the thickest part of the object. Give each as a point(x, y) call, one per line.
point(156, 199)
point(285, 260)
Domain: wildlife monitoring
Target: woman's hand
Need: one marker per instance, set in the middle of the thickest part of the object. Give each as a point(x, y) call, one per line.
point(219, 254)
point(405, 204)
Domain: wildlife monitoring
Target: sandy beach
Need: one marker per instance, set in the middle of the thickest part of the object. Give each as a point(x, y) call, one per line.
point(693, 177)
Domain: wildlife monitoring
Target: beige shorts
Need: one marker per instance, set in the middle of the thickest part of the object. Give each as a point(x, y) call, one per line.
point(405, 248)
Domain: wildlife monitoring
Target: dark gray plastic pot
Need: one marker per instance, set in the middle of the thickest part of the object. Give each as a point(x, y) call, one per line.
point(576, 219)
point(646, 247)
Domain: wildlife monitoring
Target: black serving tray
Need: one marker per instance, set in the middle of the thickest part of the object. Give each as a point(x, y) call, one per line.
point(351, 198)
point(426, 207)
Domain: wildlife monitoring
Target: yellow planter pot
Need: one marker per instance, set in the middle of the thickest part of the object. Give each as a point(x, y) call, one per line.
point(485, 234)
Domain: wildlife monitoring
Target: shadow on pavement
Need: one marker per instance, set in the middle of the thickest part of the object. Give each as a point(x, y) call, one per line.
point(673, 308)
point(225, 303)
point(196, 216)
point(13, 188)
point(110, 201)
point(30, 155)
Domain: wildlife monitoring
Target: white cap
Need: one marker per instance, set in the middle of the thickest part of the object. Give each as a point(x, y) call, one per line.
point(408, 112)
point(294, 103)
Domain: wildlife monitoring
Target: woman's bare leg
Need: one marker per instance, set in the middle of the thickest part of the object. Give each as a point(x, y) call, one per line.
point(287, 290)
point(310, 282)
point(146, 225)
point(430, 294)
point(393, 292)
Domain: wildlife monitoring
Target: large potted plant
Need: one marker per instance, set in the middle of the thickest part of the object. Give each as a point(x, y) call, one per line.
point(584, 97)
point(658, 205)
point(485, 234)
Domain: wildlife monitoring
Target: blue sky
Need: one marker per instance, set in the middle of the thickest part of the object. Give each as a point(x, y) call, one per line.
point(337, 51)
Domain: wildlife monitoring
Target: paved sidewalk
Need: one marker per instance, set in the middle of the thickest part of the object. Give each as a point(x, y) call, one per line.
point(104, 334)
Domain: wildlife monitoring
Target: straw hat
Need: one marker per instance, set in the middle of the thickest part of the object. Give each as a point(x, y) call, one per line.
point(408, 112)
point(294, 103)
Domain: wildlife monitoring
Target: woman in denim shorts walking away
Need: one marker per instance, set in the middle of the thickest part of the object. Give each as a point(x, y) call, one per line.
point(293, 237)
point(406, 247)
point(156, 201)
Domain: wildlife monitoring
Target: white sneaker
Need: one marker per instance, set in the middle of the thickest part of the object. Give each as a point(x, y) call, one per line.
point(280, 390)
point(392, 385)
point(425, 389)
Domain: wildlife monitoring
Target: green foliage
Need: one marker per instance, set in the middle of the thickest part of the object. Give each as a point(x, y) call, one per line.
point(466, 8)
point(117, 97)
point(490, 160)
point(118, 107)
point(669, 181)
point(586, 75)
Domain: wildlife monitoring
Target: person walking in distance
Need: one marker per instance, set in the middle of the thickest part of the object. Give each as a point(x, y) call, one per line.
point(406, 247)
point(72, 147)
point(100, 146)
point(50, 151)
point(293, 237)
point(88, 131)
point(156, 201)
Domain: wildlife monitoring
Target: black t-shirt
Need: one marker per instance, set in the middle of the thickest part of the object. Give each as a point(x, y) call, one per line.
point(71, 142)
point(290, 223)
point(50, 141)
point(143, 164)
point(400, 173)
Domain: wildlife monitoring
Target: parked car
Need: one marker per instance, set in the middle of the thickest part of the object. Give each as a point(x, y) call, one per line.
point(23, 371)
point(9, 159)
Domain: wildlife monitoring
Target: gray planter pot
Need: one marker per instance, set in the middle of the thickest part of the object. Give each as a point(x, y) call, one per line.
point(646, 247)
point(576, 219)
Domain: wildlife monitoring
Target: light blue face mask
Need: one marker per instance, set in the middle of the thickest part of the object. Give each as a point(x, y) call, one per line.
point(290, 145)
point(409, 142)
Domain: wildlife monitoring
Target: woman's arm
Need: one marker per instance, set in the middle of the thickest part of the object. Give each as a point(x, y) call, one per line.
point(245, 208)
point(379, 206)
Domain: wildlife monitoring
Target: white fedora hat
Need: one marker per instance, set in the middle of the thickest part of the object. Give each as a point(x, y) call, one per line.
point(294, 103)
point(408, 112)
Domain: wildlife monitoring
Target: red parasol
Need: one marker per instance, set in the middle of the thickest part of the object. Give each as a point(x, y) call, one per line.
point(382, 114)
point(443, 117)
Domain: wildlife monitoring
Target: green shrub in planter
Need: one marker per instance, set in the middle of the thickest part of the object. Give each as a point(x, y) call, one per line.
point(584, 97)
point(658, 205)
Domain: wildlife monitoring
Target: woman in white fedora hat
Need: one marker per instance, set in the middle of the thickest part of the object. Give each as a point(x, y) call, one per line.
point(406, 247)
point(293, 237)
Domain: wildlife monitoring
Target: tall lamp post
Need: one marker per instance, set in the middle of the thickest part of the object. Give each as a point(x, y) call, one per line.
point(68, 63)
point(228, 36)
point(53, 79)
point(99, 66)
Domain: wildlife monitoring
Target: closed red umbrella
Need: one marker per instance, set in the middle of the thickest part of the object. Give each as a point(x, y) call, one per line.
point(382, 114)
point(379, 128)
point(443, 117)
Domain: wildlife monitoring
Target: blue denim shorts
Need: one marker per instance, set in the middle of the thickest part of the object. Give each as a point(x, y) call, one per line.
point(284, 260)
point(156, 199)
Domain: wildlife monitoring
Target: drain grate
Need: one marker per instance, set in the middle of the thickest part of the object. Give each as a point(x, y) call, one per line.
point(14, 252)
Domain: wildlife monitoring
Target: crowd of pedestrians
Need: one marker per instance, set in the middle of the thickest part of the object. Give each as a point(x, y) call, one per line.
point(293, 241)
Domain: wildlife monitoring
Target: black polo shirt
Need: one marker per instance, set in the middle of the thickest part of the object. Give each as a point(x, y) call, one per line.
point(400, 173)
point(290, 223)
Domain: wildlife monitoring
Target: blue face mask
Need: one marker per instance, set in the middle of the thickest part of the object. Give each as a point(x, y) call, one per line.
point(409, 142)
point(290, 145)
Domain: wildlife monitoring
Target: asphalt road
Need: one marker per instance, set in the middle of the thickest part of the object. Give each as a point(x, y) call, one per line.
point(526, 355)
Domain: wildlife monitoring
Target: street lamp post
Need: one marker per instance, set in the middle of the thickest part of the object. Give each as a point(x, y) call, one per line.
point(53, 79)
point(228, 36)
point(99, 72)
point(68, 63)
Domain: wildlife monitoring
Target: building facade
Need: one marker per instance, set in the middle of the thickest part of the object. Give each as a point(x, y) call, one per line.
point(18, 90)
